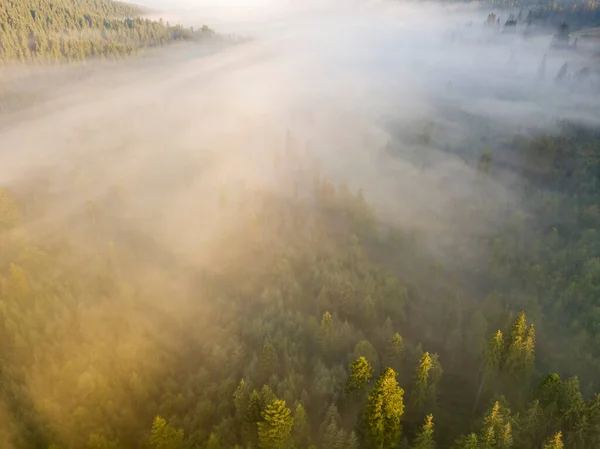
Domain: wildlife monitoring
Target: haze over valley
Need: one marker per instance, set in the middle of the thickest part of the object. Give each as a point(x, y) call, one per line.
point(254, 224)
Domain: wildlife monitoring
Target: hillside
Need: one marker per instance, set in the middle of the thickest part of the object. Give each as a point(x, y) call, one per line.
point(72, 30)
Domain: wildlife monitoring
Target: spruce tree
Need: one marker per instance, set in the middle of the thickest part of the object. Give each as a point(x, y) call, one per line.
point(384, 409)
point(394, 352)
point(520, 355)
point(213, 442)
point(468, 442)
point(419, 391)
point(360, 375)
point(492, 360)
point(425, 382)
point(326, 334)
point(424, 439)
point(555, 442)
point(240, 398)
point(275, 431)
point(353, 442)
point(300, 431)
point(269, 361)
point(163, 436)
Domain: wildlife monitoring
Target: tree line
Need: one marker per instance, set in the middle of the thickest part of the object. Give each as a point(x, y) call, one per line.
point(75, 30)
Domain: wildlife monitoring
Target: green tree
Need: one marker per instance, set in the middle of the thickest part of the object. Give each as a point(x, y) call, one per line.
point(326, 334)
point(275, 431)
point(384, 409)
point(425, 382)
point(269, 360)
point(494, 353)
point(361, 374)
point(163, 436)
point(365, 349)
point(240, 398)
point(520, 355)
point(213, 442)
point(555, 442)
point(301, 430)
point(394, 352)
point(419, 391)
point(424, 439)
point(468, 442)
point(254, 411)
point(353, 442)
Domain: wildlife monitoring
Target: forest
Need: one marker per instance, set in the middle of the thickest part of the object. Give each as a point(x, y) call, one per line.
point(310, 323)
point(75, 30)
point(291, 313)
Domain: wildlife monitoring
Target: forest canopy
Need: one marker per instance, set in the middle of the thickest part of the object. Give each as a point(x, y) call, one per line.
point(302, 327)
point(74, 30)
point(156, 294)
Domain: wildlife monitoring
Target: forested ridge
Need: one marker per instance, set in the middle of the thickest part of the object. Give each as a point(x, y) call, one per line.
point(306, 322)
point(74, 30)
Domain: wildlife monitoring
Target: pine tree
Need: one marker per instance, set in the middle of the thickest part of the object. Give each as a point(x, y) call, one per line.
point(419, 390)
point(213, 442)
point(275, 431)
point(384, 409)
point(330, 436)
point(365, 349)
point(163, 436)
point(353, 442)
point(505, 439)
point(494, 353)
point(468, 442)
point(497, 429)
point(326, 334)
point(360, 375)
point(266, 397)
point(555, 442)
point(254, 411)
point(424, 439)
point(269, 361)
point(425, 382)
point(530, 426)
point(394, 352)
point(593, 417)
point(521, 350)
point(240, 398)
point(300, 431)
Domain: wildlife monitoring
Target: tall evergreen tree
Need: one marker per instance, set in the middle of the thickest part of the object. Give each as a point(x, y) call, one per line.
point(425, 382)
point(275, 431)
point(269, 360)
point(301, 430)
point(394, 352)
point(384, 409)
point(555, 442)
point(418, 397)
point(360, 375)
point(424, 439)
point(520, 355)
point(163, 436)
point(353, 442)
point(213, 442)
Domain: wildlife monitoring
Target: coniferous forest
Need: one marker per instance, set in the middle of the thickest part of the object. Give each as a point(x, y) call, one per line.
point(74, 30)
point(307, 320)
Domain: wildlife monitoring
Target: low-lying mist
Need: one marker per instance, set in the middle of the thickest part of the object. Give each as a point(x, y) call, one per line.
point(397, 99)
